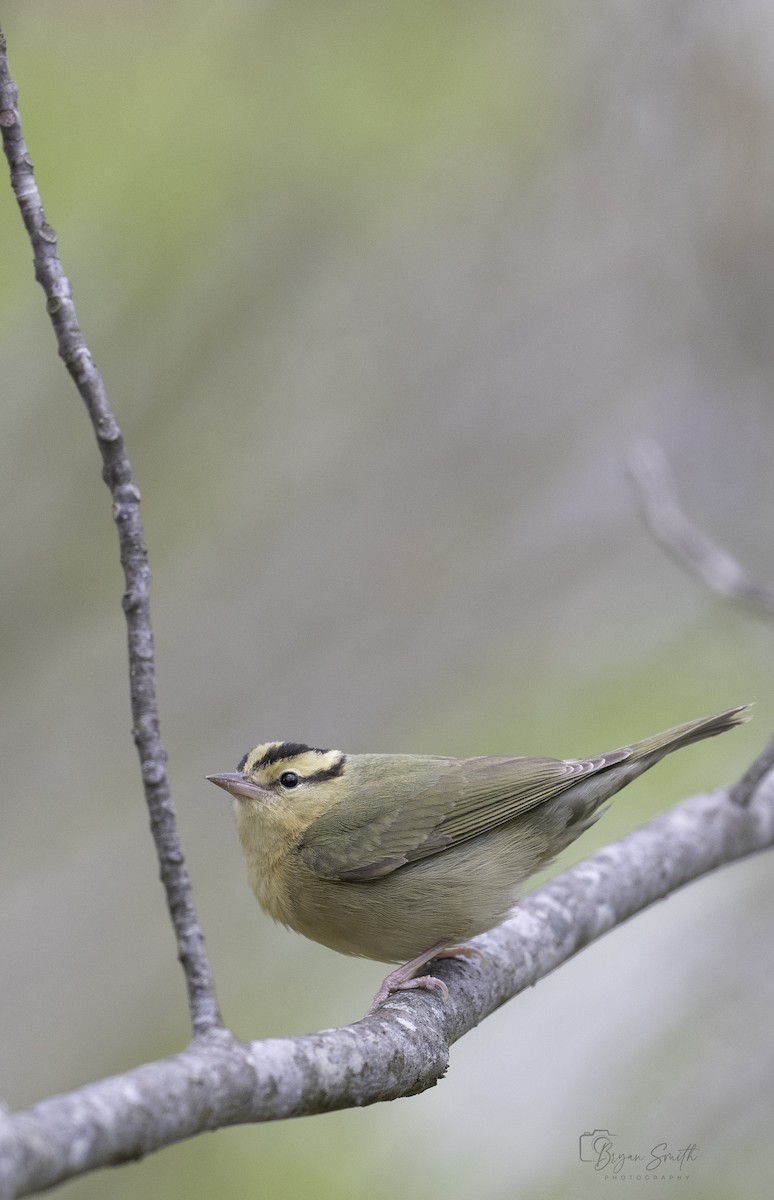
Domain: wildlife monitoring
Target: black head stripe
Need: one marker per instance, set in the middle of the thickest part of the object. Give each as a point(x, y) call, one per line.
point(242, 761)
point(285, 750)
point(329, 772)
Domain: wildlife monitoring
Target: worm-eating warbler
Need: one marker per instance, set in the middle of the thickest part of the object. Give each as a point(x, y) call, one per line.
point(401, 857)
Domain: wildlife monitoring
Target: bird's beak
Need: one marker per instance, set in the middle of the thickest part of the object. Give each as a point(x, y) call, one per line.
point(237, 784)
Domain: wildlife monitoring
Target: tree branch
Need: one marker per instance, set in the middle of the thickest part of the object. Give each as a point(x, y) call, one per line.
point(117, 473)
point(401, 1050)
point(649, 471)
point(650, 474)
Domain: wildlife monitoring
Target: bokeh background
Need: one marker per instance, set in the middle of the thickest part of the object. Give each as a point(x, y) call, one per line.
point(383, 293)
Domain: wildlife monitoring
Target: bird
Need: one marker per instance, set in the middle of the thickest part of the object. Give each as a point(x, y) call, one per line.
point(404, 858)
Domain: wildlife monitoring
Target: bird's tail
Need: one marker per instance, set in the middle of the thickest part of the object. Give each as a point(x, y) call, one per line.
point(690, 731)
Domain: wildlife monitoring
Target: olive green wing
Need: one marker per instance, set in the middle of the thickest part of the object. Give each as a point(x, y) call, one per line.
point(400, 818)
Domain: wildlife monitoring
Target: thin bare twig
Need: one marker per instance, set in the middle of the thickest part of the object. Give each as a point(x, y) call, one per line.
point(744, 791)
point(117, 473)
point(655, 486)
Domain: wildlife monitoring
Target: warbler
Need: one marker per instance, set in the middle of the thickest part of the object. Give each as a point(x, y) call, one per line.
point(403, 857)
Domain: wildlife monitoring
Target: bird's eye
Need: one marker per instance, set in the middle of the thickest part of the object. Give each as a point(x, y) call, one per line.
point(289, 779)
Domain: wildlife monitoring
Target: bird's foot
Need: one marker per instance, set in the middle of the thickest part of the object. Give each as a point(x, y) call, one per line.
point(406, 977)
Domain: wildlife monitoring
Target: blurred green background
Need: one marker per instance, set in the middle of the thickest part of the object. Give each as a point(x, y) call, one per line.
point(383, 293)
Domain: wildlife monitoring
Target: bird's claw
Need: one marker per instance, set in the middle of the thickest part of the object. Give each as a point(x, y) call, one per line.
point(403, 979)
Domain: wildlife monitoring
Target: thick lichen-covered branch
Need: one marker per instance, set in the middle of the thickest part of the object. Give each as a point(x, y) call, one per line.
point(401, 1050)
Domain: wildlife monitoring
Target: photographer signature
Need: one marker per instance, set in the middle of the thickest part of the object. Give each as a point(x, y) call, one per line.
point(598, 1147)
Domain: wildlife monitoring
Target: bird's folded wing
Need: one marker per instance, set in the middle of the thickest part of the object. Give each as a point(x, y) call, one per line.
point(454, 800)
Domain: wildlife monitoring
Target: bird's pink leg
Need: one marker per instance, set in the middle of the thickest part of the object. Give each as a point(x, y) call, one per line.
point(407, 976)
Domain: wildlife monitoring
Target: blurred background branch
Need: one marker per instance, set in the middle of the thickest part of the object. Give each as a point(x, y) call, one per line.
point(649, 471)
